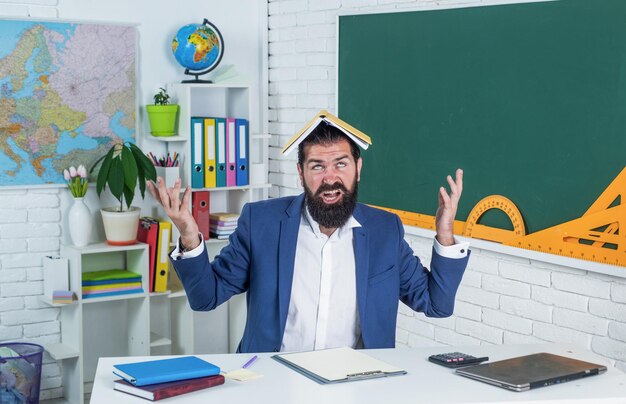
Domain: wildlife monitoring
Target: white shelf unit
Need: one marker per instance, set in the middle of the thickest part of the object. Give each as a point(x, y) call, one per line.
point(105, 326)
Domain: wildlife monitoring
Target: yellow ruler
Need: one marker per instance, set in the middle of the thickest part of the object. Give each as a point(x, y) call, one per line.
point(598, 235)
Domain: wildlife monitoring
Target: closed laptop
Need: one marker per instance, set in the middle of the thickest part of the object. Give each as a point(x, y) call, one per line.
point(531, 371)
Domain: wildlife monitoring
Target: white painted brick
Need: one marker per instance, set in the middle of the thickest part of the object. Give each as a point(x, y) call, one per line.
point(618, 293)
point(312, 18)
point(29, 316)
point(553, 333)
point(482, 263)
point(51, 382)
point(416, 341)
point(283, 74)
point(609, 347)
point(27, 230)
point(277, 129)
point(293, 6)
point(617, 331)
point(34, 2)
point(34, 274)
point(505, 286)
point(34, 302)
point(478, 296)
point(560, 299)
point(322, 31)
point(479, 330)
point(281, 48)
point(13, 10)
point(314, 101)
point(44, 215)
point(581, 284)
point(313, 73)
point(621, 365)
point(21, 260)
point(285, 180)
point(282, 101)
point(21, 289)
point(526, 308)
point(320, 59)
point(514, 338)
point(446, 322)
point(42, 244)
point(292, 115)
point(472, 278)
point(507, 321)
point(13, 246)
point(281, 21)
point(50, 369)
point(49, 394)
point(580, 321)
point(9, 333)
point(45, 200)
point(402, 337)
point(449, 337)
point(558, 268)
point(11, 303)
point(290, 87)
point(358, 3)
point(13, 215)
point(37, 329)
point(321, 87)
point(291, 33)
point(405, 310)
point(296, 60)
point(510, 258)
point(416, 327)
point(524, 273)
point(12, 275)
point(324, 4)
point(607, 309)
point(468, 311)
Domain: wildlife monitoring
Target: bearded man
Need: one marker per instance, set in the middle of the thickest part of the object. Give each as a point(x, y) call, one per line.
point(320, 270)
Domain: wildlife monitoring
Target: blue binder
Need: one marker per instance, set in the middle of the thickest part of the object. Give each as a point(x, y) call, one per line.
point(220, 146)
point(197, 152)
point(165, 370)
point(242, 158)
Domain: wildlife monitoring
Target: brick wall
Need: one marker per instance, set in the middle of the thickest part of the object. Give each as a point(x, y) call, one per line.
point(503, 299)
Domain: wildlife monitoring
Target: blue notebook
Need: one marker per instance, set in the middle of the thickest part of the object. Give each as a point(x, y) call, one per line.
point(165, 370)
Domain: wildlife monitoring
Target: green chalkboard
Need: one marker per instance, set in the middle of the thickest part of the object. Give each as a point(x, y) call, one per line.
point(529, 99)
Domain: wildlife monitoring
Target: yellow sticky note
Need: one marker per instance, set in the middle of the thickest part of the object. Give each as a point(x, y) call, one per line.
point(242, 375)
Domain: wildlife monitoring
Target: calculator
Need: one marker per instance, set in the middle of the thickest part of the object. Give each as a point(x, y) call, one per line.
point(456, 359)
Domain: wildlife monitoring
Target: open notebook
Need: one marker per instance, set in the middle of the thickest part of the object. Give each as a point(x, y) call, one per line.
point(337, 365)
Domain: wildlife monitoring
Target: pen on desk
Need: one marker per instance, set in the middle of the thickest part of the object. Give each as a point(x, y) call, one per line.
point(250, 362)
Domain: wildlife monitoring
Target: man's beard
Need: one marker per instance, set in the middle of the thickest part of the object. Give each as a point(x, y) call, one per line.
point(334, 215)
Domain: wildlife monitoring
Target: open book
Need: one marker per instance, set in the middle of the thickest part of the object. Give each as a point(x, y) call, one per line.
point(337, 365)
point(353, 133)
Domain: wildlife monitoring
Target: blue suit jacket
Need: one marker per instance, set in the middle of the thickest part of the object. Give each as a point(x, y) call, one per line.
point(260, 258)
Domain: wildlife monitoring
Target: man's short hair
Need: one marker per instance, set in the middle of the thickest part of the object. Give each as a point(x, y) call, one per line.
point(325, 134)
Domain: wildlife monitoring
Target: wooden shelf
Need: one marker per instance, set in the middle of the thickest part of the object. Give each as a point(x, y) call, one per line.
point(48, 301)
point(62, 351)
point(114, 298)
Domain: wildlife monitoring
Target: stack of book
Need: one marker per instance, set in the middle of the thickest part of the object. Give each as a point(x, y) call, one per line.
point(63, 297)
point(110, 282)
point(159, 379)
point(222, 225)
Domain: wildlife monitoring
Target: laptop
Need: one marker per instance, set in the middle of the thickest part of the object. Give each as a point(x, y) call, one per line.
point(531, 371)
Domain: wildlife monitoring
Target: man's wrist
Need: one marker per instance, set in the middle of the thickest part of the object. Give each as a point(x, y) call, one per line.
point(189, 243)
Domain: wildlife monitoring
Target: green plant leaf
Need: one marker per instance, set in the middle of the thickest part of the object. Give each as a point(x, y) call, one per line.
point(104, 170)
point(130, 168)
point(115, 179)
point(145, 168)
point(129, 195)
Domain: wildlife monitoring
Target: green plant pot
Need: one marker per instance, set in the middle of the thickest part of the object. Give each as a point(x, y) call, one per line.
point(163, 119)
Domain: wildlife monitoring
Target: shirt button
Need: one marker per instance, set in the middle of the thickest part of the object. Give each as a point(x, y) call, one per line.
point(462, 250)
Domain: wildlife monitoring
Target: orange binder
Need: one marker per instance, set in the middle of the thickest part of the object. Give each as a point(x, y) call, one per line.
point(200, 210)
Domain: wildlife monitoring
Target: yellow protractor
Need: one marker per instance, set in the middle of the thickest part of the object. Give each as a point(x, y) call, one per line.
point(476, 230)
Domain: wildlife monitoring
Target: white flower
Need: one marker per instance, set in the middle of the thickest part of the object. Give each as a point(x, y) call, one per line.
point(82, 171)
point(72, 171)
point(66, 175)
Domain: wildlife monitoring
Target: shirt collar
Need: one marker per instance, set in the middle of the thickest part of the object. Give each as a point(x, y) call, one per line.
point(315, 227)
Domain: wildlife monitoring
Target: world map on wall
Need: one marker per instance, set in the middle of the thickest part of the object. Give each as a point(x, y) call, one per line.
point(67, 92)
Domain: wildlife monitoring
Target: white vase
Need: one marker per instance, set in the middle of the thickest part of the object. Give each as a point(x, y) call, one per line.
point(80, 223)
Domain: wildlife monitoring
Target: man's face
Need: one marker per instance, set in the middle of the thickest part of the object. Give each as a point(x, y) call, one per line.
point(330, 176)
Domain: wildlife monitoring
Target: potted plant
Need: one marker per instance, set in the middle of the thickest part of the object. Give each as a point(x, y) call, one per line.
point(121, 169)
point(162, 115)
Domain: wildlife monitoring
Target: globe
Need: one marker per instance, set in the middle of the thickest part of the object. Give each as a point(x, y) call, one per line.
point(198, 48)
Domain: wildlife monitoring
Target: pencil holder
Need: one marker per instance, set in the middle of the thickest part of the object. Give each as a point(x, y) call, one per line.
point(169, 174)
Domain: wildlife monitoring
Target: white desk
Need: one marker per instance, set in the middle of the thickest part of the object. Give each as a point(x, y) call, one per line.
point(424, 383)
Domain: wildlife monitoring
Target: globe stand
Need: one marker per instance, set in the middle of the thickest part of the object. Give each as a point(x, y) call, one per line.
point(196, 75)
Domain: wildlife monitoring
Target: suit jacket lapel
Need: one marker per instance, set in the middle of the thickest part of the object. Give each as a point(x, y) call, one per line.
point(289, 227)
point(361, 260)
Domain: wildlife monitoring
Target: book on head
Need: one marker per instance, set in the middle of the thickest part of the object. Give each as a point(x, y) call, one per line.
point(353, 133)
